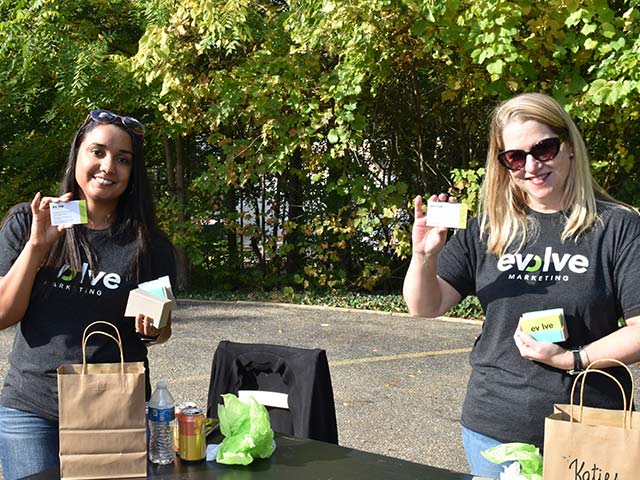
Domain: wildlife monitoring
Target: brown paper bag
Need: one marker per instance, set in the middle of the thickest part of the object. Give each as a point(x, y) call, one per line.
point(102, 417)
point(592, 443)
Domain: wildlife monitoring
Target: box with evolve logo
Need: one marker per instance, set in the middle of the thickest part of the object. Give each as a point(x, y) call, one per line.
point(154, 299)
point(445, 214)
point(545, 325)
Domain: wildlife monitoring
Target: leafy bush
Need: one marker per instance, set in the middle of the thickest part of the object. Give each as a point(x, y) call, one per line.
point(469, 308)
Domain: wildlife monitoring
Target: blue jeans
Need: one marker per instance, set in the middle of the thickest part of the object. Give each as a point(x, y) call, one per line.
point(474, 443)
point(28, 443)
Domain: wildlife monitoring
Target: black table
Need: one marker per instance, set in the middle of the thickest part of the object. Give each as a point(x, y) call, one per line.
point(298, 459)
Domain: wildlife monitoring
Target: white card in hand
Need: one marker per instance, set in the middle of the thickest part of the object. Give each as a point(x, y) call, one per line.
point(64, 213)
point(445, 214)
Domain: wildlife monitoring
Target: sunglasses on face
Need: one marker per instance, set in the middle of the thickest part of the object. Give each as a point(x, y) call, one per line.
point(542, 151)
point(105, 117)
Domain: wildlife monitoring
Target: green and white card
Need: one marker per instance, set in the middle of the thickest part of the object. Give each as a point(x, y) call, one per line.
point(64, 213)
point(445, 214)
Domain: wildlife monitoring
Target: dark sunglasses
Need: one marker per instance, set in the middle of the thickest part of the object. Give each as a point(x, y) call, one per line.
point(542, 151)
point(105, 117)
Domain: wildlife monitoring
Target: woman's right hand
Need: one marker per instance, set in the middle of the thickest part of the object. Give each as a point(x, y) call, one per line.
point(428, 240)
point(426, 294)
point(43, 234)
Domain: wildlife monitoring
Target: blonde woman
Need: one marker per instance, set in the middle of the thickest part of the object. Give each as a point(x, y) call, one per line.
point(547, 236)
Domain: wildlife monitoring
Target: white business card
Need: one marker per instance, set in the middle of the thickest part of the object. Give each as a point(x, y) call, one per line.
point(445, 214)
point(64, 213)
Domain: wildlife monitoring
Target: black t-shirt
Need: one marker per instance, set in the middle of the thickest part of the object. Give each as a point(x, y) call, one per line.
point(594, 279)
point(63, 302)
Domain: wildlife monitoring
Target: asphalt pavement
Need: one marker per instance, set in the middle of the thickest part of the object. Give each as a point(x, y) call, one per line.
point(398, 380)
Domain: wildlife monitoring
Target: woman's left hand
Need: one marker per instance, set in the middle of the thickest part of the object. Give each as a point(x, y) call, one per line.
point(543, 352)
point(144, 326)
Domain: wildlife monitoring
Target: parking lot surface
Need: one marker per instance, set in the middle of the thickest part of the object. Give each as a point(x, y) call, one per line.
point(398, 380)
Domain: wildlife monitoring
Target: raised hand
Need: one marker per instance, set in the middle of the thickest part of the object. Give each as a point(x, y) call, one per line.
point(427, 240)
point(43, 234)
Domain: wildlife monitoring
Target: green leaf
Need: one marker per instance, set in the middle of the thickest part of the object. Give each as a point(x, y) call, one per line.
point(573, 18)
point(419, 27)
point(599, 91)
point(590, 44)
point(495, 68)
point(359, 122)
point(608, 30)
point(618, 44)
point(577, 83)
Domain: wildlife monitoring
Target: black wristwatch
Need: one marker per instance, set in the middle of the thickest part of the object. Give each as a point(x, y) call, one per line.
point(577, 362)
point(148, 339)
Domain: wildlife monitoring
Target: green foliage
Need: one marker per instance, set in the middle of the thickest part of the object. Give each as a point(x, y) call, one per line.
point(57, 60)
point(384, 303)
point(466, 186)
point(307, 127)
point(469, 308)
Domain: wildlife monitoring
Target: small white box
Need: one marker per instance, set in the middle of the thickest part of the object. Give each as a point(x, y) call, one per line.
point(160, 287)
point(154, 299)
point(146, 303)
point(445, 214)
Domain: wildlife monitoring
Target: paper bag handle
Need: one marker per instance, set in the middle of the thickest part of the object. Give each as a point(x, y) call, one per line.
point(590, 369)
point(85, 338)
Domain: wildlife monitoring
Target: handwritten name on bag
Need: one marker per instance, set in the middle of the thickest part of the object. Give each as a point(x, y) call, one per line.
point(595, 473)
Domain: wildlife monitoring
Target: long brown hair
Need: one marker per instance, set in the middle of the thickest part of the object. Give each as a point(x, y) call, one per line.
point(135, 212)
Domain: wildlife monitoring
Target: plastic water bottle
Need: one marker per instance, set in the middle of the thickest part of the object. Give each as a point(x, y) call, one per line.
point(161, 419)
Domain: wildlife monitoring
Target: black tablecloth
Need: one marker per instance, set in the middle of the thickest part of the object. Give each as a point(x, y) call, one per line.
point(298, 459)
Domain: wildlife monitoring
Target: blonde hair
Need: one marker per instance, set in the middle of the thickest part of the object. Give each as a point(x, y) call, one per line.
point(503, 206)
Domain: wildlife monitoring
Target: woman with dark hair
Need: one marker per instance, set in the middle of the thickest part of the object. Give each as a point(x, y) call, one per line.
point(56, 280)
point(547, 237)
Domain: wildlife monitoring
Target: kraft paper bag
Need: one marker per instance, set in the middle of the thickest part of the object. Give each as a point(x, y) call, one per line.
point(592, 443)
point(102, 417)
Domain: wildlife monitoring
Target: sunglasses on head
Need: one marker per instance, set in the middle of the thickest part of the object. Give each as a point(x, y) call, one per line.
point(105, 117)
point(542, 151)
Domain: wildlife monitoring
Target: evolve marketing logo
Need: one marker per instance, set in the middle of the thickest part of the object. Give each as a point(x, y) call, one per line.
point(86, 281)
point(550, 267)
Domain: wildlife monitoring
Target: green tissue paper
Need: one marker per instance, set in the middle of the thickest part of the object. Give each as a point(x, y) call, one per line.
point(527, 460)
point(246, 429)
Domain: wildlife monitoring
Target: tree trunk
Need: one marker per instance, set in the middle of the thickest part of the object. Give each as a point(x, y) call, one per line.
point(231, 205)
point(181, 196)
point(169, 155)
point(176, 167)
point(295, 199)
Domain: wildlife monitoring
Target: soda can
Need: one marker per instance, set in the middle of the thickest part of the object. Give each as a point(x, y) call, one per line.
point(180, 407)
point(193, 442)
